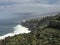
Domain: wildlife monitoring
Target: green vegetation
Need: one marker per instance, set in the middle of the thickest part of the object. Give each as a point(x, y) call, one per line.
point(44, 31)
point(55, 23)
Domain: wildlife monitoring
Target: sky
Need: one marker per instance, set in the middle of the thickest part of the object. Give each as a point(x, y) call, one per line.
point(18, 6)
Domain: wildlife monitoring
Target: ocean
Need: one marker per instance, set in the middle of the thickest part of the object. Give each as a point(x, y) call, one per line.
point(10, 24)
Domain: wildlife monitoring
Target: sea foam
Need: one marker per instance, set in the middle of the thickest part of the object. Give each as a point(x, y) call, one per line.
point(19, 29)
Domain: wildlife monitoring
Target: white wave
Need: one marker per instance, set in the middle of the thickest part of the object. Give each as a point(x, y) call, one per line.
point(19, 29)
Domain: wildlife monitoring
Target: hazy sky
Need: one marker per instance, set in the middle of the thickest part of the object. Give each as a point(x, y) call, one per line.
point(41, 6)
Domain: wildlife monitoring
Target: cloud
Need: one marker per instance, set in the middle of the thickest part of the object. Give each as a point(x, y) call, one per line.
point(41, 6)
point(32, 1)
point(54, 2)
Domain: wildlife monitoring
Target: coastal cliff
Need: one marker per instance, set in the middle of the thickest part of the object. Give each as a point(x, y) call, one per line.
point(44, 31)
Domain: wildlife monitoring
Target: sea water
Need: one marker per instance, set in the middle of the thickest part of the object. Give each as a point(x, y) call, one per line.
point(10, 24)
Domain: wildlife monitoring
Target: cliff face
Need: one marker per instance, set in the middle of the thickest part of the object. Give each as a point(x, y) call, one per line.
point(35, 23)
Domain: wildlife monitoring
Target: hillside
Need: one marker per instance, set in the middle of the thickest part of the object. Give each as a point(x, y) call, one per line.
point(44, 31)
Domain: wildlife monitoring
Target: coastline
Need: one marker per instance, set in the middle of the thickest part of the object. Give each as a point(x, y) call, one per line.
point(19, 29)
point(41, 33)
point(27, 25)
